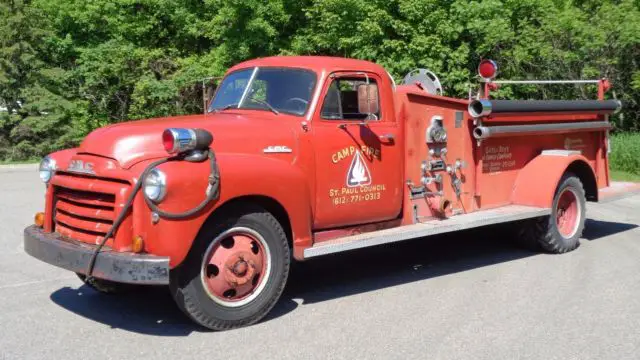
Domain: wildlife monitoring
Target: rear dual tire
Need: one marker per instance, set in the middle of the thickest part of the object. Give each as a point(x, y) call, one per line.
point(561, 231)
point(236, 270)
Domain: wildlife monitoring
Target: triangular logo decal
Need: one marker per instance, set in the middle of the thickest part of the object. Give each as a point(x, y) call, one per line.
point(358, 174)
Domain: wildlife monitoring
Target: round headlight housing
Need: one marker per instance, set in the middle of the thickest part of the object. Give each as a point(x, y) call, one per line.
point(155, 185)
point(46, 169)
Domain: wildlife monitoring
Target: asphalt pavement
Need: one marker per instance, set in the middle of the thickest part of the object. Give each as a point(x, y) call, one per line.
point(470, 295)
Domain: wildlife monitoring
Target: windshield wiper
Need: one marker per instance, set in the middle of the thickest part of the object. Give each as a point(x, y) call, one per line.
point(229, 106)
point(265, 104)
point(226, 107)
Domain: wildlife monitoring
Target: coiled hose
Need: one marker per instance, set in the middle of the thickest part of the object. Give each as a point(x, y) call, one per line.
point(213, 191)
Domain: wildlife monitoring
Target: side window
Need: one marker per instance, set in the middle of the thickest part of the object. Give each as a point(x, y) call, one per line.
point(351, 99)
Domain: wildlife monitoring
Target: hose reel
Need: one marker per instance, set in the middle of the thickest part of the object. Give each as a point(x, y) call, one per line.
point(426, 80)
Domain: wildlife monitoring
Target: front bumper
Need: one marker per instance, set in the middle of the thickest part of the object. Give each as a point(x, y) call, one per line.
point(115, 266)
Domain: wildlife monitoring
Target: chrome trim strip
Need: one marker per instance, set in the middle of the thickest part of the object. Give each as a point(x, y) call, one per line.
point(393, 81)
point(545, 81)
point(432, 227)
point(485, 132)
point(316, 96)
point(560, 152)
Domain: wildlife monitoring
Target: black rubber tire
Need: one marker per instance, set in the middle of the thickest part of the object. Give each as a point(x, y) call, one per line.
point(542, 234)
point(105, 286)
point(189, 293)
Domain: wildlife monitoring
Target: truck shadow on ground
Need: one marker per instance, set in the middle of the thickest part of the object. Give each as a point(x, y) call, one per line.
point(150, 310)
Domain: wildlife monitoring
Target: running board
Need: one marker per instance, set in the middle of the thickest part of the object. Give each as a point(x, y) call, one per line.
point(427, 228)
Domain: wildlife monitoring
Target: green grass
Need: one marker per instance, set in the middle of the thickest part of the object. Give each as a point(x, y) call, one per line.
point(617, 175)
point(624, 159)
point(11, 162)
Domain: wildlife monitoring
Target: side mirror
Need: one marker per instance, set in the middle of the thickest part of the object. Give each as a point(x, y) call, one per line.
point(368, 100)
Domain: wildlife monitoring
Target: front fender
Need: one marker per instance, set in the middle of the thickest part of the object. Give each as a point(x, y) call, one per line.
point(240, 175)
point(254, 175)
point(537, 182)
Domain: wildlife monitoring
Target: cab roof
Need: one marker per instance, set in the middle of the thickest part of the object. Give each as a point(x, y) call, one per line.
point(315, 63)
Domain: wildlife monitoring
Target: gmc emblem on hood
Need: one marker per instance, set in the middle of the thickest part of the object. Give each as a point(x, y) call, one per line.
point(80, 166)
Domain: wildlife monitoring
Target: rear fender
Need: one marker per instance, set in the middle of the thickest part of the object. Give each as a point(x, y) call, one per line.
point(537, 182)
point(241, 175)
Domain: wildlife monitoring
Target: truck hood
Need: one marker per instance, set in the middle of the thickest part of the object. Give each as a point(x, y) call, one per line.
point(132, 142)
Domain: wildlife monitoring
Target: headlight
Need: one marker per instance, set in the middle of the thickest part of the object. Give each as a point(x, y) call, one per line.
point(155, 185)
point(47, 168)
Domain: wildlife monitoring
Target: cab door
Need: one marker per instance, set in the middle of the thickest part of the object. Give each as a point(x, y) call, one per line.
point(358, 152)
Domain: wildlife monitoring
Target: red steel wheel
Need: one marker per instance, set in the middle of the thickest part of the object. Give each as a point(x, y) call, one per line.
point(236, 269)
point(568, 213)
point(560, 232)
point(235, 266)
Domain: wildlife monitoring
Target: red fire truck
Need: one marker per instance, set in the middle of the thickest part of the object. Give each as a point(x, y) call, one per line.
point(298, 157)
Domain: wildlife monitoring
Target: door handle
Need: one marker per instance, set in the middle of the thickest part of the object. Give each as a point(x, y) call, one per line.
point(386, 138)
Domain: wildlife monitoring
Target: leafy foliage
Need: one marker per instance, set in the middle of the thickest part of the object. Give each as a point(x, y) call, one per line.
point(69, 66)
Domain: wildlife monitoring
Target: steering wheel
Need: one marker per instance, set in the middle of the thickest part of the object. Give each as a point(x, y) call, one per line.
point(297, 99)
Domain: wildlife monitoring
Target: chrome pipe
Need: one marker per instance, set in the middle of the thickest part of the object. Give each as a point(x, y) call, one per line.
point(479, 108)
point(481, 132)
point(485, 132)
point(484, 107)
point(546, 81)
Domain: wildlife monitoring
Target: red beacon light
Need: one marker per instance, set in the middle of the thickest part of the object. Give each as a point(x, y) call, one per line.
point(487, 69)
point(179, 140)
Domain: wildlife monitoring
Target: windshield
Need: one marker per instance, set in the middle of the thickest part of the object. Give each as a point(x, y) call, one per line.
point(272, 89)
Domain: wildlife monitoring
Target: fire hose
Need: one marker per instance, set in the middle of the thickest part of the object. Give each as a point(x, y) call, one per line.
point(212, 193)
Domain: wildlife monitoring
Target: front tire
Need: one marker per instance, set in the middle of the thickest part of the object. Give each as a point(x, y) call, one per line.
point(236, 270)
point(560, 232)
